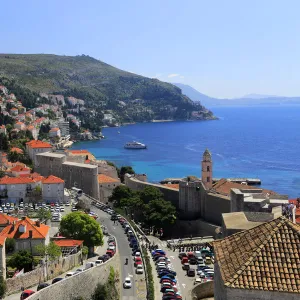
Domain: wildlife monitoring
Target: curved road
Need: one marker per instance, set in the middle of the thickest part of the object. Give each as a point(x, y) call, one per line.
point(138, 289)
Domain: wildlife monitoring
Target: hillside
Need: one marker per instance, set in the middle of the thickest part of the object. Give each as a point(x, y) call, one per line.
point(102, 86)
point(248, 100)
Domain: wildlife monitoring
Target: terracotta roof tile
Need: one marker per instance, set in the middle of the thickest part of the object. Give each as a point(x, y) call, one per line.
point(106, 179)
point(68, 243)
point(38, 232)
point(19, 169)
point(17, 150)
point(78, 151)
point(172, 185)
point(6, 220)
point(38, 144)
point(15, 180)
point(223, 186)
point(2, 240)
point(264, 254)
point(52, 179)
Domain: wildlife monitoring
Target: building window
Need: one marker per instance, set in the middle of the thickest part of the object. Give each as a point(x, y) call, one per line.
point(208, 179)
point(208, 169)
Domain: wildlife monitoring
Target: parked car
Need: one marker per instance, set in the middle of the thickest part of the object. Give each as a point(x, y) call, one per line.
point(90, 264)
point(186, 266)
point(25, 294)
point(182, 255)
point(139, 269)
point(42, 286)
point(99, 262)
point(56, 280)
point(191, 272)
point(69, 274)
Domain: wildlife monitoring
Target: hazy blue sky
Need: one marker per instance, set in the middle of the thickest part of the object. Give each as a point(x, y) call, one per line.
point(224, 48)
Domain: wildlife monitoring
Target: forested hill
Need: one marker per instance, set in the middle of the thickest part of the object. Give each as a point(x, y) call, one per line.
point(99, 84)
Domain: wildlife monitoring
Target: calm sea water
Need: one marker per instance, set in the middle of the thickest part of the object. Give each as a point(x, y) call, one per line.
point(246, 142)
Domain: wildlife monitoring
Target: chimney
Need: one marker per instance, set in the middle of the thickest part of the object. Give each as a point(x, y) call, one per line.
point(24, 218)
point(30, 234)
point(38, 223)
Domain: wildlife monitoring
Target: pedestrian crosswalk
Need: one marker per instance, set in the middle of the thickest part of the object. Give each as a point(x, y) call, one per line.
point(129, 298)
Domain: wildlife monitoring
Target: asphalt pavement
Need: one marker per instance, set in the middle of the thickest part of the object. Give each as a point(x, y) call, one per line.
point(138, 289)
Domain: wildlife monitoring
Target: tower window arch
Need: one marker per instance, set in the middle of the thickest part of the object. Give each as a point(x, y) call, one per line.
point(208, 179)
point(208, 168)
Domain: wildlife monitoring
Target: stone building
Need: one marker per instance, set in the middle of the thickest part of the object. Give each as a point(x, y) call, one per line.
point(27, 234)
point(53, 189)
point(106, 186)
point(2, 257)
point(35, 147)
point(50, 163)
point(259, 263)
point(207, 169)
point(83, 176)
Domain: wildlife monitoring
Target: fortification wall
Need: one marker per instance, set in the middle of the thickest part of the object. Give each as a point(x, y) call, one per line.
point(80, 285)
point(53, 269)
point(215, 206)
point(170, 194)
point(49, 164)
point(82, 176)
point(202, 290)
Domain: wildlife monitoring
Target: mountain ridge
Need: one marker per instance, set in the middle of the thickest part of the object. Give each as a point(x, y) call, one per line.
point(102, 86)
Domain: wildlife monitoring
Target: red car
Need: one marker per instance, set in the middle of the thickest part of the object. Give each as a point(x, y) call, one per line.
point(26, 294)
point(111, 253)
point(138, 261)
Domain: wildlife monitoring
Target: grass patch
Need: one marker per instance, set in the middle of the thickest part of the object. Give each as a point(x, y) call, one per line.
point(150, 281)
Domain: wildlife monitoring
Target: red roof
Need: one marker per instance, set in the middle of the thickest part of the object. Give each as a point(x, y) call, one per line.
point(13, 231)
point(6, 220)
point(16, 149)
point(38, 144)
point(2, 240)
point(172, 185)
point(53, 179)
point(54, 129)
point(106, 179)
point(15, 180)
point(68, 243)
point(79, 151)
point(20, 169)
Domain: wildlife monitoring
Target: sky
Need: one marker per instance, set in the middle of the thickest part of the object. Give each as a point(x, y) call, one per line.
point(223, 48)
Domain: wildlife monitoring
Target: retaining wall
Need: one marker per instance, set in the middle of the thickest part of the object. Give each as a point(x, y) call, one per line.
point(80, 285)
point(202, 290)
point(38, 275)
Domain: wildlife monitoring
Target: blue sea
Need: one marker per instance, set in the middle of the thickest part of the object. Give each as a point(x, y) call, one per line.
point(252, 142)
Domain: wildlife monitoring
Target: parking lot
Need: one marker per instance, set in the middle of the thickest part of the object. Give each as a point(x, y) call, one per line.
point(184, 282)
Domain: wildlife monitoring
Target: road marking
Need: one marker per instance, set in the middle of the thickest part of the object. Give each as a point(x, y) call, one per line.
point(183, 284)
point(114, 227)
point(129, 275)
point(172, 257)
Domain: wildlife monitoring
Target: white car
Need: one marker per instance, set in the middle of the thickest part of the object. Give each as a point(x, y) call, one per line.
point(67, 203)
point(99, 262)
point(62, 208)
point(69, 274)
point(139, 269)
point(127, 283)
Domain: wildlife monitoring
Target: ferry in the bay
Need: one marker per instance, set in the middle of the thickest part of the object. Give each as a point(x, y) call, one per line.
point(135, 145)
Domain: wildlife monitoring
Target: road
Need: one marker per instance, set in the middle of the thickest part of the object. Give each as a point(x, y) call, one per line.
point(138, 289)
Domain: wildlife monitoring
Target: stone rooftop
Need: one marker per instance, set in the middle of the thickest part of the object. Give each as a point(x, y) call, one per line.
point(265, 257)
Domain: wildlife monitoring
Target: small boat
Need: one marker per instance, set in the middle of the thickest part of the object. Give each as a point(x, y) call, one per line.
point(135, 145)
point(119, 132)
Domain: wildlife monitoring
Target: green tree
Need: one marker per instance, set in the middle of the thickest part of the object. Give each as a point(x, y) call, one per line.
point(80, 226)
point(21, 259)
point(44, 214)
point(3, 287)
point(3, 142)
point(52, 251)
point(10, 245)
point(2, 173)
point(160, 213)
point(124, 170)
point(122, 193)
point(150, 193)
point(101, 292)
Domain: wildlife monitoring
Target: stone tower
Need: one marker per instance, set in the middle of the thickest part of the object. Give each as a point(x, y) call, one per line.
point(207, 170)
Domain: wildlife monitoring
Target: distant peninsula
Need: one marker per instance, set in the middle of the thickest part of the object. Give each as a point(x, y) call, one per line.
point(105, 90)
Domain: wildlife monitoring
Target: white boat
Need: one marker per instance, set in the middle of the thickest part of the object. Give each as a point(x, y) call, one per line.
point(135, 145)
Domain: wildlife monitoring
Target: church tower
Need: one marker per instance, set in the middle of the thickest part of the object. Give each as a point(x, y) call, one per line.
point(207, 170)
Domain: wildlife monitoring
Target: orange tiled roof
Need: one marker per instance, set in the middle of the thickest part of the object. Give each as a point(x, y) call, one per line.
point(53, 179)
point(68, 243)
point(15, 180)
point(30, 127)
point(5, 219)
point(38, 144)
point(14, 108)
point(16, 149)
point(2, 240)
point(19, 169)
point(223, 186)
point(172, 185)
point(38, 232)
point(106, 179)
point(78, 151)
point(265, 257)
point(54, 129)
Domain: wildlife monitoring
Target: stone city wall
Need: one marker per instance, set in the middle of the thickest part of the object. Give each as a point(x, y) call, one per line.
point(202, 290)
point(80, 285)
point(38, 275)
point(170, 194)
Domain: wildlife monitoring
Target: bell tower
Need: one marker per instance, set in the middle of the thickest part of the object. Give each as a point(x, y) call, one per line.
point(207, 170)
